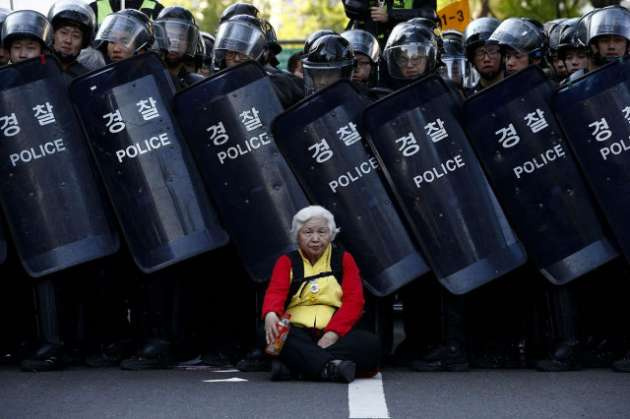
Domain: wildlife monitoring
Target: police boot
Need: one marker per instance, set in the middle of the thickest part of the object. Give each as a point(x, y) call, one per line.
point(49, 357)
point(110, 355)
point(623, 364)
point(564, 358)
point(450, 357)
point(339, 371)
point(155, 354)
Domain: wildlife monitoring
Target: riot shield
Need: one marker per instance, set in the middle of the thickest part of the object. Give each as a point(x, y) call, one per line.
point(322, 139)
point(52, 201)
point(517, 139)
point(148, 172)
point(3, 245)
point(594, 113)
point(440, 186)
point(226, 120)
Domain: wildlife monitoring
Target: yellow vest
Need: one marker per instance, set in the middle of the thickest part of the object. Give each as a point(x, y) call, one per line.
point(104, 9)
point(315, 302)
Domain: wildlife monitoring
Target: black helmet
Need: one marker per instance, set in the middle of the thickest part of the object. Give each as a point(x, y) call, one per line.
point(363, 42)
point(176, 31)
point(408, 42)
point(356, 9)
point(239, 9)
point(430, 23)
point(582, 28)
point(208, 44)
point(272, 38)
point(27, 24)
point(452, 44)
point(478, 32)
point(315, 36)
point(562, 36)
point(329, 59)
point(129, 27)
point(242, 34)
point(611, 20)
point(3, 15)
point(521, 34)
point(72, 12)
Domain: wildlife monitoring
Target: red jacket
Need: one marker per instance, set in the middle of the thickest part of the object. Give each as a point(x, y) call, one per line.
point(352, 300)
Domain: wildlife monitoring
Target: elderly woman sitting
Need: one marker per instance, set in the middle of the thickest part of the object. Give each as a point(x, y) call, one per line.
point(320, 287)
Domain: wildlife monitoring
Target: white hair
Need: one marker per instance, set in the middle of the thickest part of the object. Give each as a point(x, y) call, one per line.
point(313, 211)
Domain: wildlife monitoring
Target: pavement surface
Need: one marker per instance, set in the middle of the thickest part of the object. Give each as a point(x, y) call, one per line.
point(397, 393)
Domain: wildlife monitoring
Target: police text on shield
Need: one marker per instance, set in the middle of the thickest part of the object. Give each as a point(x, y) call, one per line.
point(35, 153)
point(354, 174)
point(542, 160)
point(143, 147)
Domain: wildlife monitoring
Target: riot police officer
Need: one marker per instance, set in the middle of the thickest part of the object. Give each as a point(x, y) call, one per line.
point(410, 53)
point(205, 68)
point(608, 34)
point(367, 54)
point(124, 34)
point(177, 39)
point(26, 34)
point(484, 57)
point(568, 50)
point(522, 43)
point(241, 38)
point(328, 60)
point(73, 24)
point(453, 64)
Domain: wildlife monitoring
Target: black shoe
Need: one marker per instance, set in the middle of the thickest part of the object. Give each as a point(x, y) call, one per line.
point(254, 361)
point(623, 364)
point(49, 357)
point(597, 353)
point(216, 359)
point(279, 371)
point(156, 354)
point(564, 358)
point(443, 358)
point(110, 355)
point(339, 371)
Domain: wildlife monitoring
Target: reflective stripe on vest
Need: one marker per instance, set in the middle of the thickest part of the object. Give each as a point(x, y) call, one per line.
point(104, 9)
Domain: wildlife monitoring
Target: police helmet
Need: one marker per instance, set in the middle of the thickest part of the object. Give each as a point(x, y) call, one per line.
point(521, 34)
point(363, 42)
point(314, 37)
point(329, 59)
point(176, 31)
point(129, 27)
point(71, 12)
point(242, 34)
point(611, 20)
point(239, 9)
point(272, 38)
point(409, 43)
point(208, 43)
point(27, 24)
point(3, 15)
point(478, 32)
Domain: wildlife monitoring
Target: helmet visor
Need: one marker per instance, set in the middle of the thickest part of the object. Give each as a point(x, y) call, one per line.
point(240, 37)
point(176, 36)
point(122, 30)
point(454, 69)
point(315, 79)
point(363, 42)
point(614, 21)
point(518, 35)
point(409, 61)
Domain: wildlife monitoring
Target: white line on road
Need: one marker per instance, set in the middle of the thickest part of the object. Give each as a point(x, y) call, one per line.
point(226, 380)
point(366, 398)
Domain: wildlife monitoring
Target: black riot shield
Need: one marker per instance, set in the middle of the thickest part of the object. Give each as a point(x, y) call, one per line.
point(148, 172)
point(594, 113)
point(322, 139)
point(438, 182)
point(226, 120)
point(518, 140)
point(3, 245)
point(55, 210)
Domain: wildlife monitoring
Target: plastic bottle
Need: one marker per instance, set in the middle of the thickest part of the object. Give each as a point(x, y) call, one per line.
point(284, 325)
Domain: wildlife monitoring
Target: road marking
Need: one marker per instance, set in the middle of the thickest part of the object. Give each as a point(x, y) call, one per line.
point(366, 398)
point(226, 380)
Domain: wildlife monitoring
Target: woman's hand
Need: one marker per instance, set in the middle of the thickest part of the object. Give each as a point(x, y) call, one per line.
point(271, 326)
point(328, 339)
point(379, 14)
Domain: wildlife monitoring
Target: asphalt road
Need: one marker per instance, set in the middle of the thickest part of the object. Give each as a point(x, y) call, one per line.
point(112, 393)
